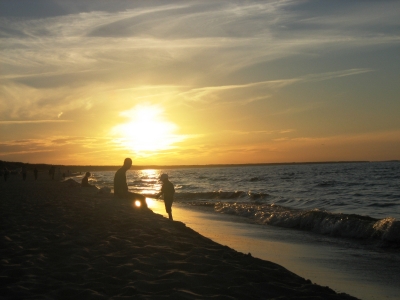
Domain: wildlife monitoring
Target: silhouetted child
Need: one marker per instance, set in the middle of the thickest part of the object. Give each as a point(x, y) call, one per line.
point(168, 191)
point(35, 173)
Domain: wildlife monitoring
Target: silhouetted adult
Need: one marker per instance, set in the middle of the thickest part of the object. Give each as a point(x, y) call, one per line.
point(85, 180)
point(35, 173)
point(121, 187)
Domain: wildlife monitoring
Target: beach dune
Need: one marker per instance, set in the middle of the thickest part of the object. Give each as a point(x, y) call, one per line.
point(61, 241)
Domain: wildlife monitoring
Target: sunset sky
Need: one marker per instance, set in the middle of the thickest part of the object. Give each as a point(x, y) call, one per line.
point(199, 82)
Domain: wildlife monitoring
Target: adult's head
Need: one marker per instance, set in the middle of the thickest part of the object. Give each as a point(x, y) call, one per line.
point(87, 174)
point(127, 163)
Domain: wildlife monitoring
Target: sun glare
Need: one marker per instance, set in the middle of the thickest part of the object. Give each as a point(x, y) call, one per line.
point(147, 131)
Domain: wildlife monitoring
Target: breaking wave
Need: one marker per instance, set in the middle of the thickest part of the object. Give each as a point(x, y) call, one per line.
point(253, 206)
point(220, 195)
point(318, 221)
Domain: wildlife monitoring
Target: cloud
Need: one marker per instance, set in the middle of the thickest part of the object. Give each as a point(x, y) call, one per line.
point(240, 94)
point(369, 17)
point(256, 91)
point(18, 101)
point(263, 132)
point(81, 41)
point(336, 74)
point(70, 140)
point(370, 137)
point(34, 121)
point(60, 149)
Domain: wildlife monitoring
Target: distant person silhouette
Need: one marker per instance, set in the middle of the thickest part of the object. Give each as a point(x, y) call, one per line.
point(6, 173)
point(85, 180)
point(52, 171)
point(168, 191)
point(121, 187)
point(35, 173)
point(23, 173)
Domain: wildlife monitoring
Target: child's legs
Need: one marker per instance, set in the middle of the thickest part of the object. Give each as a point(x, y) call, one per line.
point(168, 205)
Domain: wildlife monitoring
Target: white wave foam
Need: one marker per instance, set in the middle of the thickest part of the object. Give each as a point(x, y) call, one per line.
point(319, 221)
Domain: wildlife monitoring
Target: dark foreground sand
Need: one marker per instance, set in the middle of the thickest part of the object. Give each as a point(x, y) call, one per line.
point(60, 241)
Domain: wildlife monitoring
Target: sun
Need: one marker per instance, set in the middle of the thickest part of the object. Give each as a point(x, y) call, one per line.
point(146, 131)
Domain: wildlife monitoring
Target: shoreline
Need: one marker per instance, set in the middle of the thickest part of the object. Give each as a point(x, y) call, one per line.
point(62, 241)
point(343, 266)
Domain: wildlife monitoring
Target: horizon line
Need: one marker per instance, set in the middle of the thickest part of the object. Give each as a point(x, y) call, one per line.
point(203, 165)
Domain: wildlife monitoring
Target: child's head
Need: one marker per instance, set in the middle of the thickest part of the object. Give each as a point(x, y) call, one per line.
point(164, 177)
point(87, 174)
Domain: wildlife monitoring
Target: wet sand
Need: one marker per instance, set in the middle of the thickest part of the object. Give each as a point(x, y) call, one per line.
point(61, 241)
point(325, 260)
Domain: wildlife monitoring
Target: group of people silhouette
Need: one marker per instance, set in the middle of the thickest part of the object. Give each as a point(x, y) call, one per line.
point(6, 173)
point(120, 185)
point(121, 188)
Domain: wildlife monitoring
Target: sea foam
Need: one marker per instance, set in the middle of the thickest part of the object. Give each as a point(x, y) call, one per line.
point(316, 220)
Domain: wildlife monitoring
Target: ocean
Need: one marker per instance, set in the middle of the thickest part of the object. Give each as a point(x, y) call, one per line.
point(359, 201)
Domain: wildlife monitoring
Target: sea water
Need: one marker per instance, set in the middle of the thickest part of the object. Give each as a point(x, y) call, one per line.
point(349, 200)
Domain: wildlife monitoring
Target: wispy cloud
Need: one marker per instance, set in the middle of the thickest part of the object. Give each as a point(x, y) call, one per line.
point(34, 121)
point(50, 148)
point(250, 92)
point(336, 74)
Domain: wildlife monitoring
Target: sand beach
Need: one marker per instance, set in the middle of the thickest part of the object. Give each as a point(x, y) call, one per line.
point(61, 241)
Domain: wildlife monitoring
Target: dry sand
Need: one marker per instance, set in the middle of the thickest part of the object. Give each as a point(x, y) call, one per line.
point(61, 241)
